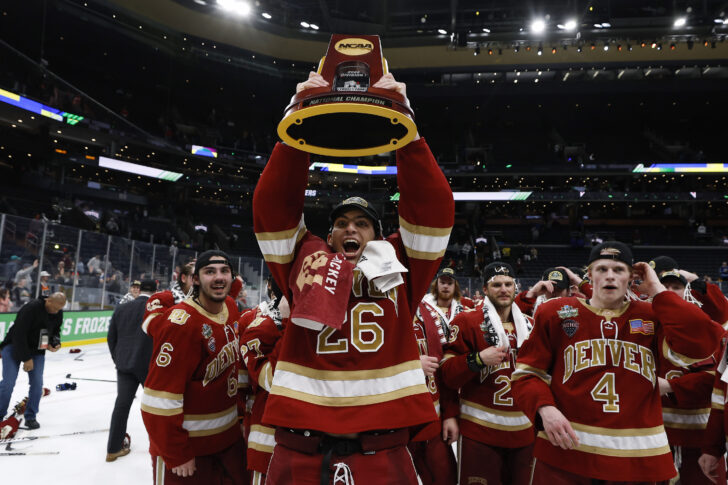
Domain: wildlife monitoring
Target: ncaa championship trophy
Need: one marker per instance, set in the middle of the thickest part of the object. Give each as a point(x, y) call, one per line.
point(349, 118)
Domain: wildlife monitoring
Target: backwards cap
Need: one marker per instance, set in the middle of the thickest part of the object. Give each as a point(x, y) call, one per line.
point(666, 267)
point(497, 268)
point(206, 258)
point(362, 205)
point(614, 250)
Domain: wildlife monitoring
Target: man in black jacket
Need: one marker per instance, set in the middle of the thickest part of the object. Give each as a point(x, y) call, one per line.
point(37, 328)
point(131, 350)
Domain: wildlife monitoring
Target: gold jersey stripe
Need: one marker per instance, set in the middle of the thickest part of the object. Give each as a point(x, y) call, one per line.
point(423, 254)
point(163, 394)
point(350, 401)
point(425, 230)
point(209, 432)
point(281, 235)
point(160, 411)
point(618, 432)
point(203, 417)
point(522, 370)
point(348, 375)
point(677, 358)
point(686, 411)
point(263, 429)
point(488, 424)
point(498, 412)
point(662, 450)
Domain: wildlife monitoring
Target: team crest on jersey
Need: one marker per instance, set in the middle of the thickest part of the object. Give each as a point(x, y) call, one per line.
point(206, 330)
point(211, 344)
point(567, 311)
point(642, 326)
point(454, 330)
point(570, 327)
point(154, 305)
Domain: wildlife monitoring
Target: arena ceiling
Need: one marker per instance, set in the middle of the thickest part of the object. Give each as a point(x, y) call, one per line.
point(460, 33)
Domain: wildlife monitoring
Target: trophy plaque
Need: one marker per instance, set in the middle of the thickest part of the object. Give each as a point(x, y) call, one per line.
point(349, 118)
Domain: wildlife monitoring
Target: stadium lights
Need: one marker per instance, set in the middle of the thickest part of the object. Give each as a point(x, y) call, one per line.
point(235, 6)
point(538, 26)
point(680, 22)
point(569, 25)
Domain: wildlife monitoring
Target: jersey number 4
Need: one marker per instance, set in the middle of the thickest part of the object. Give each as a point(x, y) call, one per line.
point(606, 392)
point(365, 336)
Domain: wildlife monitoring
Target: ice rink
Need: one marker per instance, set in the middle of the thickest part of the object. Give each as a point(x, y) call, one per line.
point(81, 459)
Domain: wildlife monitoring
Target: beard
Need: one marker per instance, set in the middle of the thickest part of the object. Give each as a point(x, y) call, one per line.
point(499, 305)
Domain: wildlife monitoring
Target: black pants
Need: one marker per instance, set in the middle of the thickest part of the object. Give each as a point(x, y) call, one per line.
point(126, 386)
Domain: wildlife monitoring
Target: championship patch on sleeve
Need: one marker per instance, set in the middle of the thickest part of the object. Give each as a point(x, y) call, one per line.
point(644, 327)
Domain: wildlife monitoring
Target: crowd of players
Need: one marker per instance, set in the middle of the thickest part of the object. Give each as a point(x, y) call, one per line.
point(367, 364)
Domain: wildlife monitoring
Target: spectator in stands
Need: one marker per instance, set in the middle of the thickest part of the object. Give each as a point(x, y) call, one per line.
point(723, 271)
point(25, 272)
point(62, 275)
point(21, 294)
point(5, 303)
point(12, 267)
point(94, 265)
point(45, 289)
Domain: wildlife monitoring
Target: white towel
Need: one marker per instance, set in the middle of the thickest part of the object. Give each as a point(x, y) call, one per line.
point(380, 265)
point(520, 322)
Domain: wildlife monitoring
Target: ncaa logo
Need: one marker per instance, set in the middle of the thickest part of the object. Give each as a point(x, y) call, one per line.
point(354, 46)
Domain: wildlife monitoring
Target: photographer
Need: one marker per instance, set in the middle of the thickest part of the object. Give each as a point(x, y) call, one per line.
point(37, 328)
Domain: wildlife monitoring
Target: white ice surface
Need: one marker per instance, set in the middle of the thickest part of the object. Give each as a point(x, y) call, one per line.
point(82, 458)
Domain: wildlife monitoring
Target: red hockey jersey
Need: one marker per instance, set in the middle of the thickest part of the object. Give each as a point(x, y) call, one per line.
point(488, 413)
point(685, 411)
point(189, 405)
point(367, 375)
point(260, 354)
point(599, 368)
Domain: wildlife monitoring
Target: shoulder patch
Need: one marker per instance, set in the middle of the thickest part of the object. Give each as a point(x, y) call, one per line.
point(178, 316)
point(154, 305)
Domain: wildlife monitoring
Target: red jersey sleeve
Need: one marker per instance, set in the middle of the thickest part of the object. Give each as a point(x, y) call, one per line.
point(257, 345)
point(715, 436)
point(278, 210)
point(426, 216)
point(455, 370)
point(530, 382)
point(157, 306)
point(714, 302)
point(525, 304)
point(173, 363)
point(690, 335)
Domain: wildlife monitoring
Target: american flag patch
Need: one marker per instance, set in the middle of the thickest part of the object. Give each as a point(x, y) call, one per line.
point(642, 326)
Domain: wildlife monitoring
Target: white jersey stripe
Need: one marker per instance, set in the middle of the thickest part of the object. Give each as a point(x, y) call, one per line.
point(423, 243)
point(293, 381)
point(194, 424)
point(161, 402)
point(492, 417)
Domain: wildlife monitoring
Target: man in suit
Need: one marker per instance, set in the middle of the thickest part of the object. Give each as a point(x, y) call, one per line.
point(131, 350)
